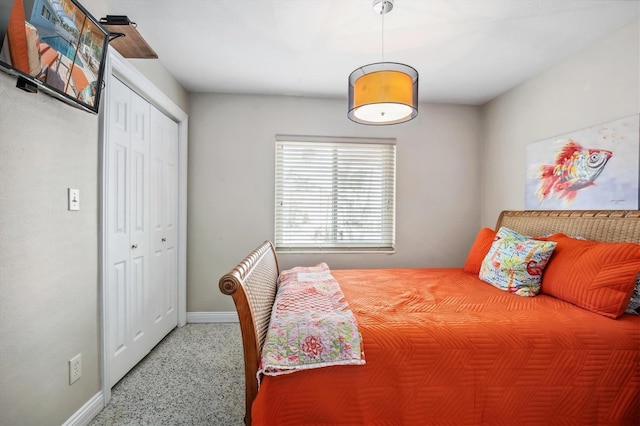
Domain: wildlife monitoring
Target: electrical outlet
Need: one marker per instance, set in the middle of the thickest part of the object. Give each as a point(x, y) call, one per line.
point(75, 368)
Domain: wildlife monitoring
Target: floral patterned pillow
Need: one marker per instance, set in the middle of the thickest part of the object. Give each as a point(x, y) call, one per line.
point(634, 303)
point(515, 263)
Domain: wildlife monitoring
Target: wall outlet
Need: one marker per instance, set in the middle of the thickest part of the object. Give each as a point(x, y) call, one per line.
point(75, 368)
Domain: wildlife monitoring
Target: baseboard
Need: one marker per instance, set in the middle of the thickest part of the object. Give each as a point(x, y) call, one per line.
point(205, 317)
point(87, 412)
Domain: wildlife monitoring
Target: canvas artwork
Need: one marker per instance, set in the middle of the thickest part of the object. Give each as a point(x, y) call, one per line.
point(589, 169)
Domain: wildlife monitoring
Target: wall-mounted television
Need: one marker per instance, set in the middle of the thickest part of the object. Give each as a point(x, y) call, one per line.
point(54, 45)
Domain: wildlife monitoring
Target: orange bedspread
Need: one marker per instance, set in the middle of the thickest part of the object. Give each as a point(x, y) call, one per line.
point(442, 347)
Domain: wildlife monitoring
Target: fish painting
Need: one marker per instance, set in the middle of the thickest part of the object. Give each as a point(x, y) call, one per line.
point(575, 168)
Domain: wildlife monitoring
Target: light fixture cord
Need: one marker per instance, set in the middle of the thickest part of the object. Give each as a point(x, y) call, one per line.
point(383, 12)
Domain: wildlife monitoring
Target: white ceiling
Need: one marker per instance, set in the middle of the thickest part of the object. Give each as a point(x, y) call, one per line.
point(466, 51)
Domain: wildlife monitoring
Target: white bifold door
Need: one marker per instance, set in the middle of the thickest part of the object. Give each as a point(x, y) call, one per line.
point(141, 228)
point(163, 237)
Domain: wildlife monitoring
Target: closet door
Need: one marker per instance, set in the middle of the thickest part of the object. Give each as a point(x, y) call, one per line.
point(164, 225)
point(127, 269)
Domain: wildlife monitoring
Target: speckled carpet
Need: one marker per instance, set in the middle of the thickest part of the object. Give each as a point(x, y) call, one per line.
point(195, 376)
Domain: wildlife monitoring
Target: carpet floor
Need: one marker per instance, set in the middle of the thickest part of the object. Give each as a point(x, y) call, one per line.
point(194, 376)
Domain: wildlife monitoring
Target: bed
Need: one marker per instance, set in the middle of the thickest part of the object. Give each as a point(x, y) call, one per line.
point(444, 347)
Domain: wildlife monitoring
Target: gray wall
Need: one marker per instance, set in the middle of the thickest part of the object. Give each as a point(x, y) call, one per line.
point(48, 257)
point(231, 184)
point(49, 288)
point(599, 84)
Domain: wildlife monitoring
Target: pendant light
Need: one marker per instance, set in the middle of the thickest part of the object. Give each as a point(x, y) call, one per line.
point(384, 92)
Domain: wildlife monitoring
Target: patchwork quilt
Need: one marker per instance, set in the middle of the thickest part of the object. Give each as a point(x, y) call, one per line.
point(311, 325)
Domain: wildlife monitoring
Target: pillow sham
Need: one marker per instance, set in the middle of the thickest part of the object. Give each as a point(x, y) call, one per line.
point(479, 250)
point(633, 307)
point(594, 275)
point(515, 263)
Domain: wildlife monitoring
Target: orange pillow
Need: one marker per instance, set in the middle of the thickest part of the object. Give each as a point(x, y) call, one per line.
point(479, 250)
point(596, 276)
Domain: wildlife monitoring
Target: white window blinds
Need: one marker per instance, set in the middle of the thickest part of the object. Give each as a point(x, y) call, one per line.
point(335, 194)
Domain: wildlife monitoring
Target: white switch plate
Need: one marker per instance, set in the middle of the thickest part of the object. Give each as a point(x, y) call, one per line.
point(74, 199)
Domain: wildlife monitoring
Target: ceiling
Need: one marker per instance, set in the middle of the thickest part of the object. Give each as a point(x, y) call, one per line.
point(466, 51)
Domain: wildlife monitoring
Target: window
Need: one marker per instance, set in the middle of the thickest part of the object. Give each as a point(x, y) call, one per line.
point(335, 194)
point(45, 13)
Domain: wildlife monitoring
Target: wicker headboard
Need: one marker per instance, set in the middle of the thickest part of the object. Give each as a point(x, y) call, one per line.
point(597, 225)
point(253, 282)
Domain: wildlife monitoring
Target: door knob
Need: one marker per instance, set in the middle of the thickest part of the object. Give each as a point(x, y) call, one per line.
point(164, 240)
point(135, 246)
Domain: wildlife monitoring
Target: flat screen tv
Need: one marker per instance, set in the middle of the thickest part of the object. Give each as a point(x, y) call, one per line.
point(54, 45)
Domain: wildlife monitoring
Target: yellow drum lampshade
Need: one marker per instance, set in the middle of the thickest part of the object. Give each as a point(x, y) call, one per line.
point(383, 93)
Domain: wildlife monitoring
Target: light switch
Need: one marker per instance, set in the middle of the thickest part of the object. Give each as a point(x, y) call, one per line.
point(74, 199)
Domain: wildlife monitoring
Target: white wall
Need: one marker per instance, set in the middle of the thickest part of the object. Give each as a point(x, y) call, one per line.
point(231, 184)
point(599, 84)
point(49, 304)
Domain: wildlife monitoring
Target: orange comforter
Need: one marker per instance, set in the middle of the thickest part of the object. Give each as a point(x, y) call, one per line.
point(442, 347)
